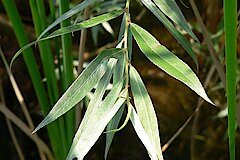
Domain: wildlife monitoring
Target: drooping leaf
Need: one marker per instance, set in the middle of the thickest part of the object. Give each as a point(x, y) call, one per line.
point(81, 86)
point(68, 14)
point(176, 34)
point(167, 61)
point(102, 85)
point(171, 9)
point(86, 24)
point(145, 110)
point(117, 75)
point(90, 130)
point(142, 134)
point(113, 124)
point(79, 26)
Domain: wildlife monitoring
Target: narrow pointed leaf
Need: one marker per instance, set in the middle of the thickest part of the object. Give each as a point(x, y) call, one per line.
point(170, 27)
point(171, 9)
point(81, 86)
point(90, 130)
point(142, 134)
point(68, 14)
point(145, 110)
point(102, 85)
point(113, 124)
point(69, 29)
point(167, 61)
point(86, 24)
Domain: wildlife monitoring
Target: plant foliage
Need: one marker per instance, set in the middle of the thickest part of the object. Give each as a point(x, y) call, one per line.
point(106, 108)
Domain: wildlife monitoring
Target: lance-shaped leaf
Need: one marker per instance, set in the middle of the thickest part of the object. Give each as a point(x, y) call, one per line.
point(68, 14)
point(113, 124)
point(142, 134)
point(81, 86)
point(102, 85)
point(86, 24)
point(171, 9)
point(170, 27)
point(79, 26)
point(167, 61)
point(145, 110)
point(90, 130)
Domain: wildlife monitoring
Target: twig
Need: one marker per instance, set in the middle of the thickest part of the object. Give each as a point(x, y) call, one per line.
point(200, 102)
point(20, 99)
point(23, 127)
point(10, 128)
point(209, 43)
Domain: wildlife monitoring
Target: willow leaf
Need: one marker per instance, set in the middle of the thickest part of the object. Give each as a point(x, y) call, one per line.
point(83, 25)
point(142, 134)
point(171, 9)
point(145, 110)
point(89, 131)
point(86, 24)
point(68, 14)
point(170, 27)
point(167, 61)
point(81, 86)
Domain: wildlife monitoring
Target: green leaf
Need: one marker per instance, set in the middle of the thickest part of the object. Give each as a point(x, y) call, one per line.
point(142, 134)
point(68, 14)
point(167, 61)
point(96, 100)
point(113, 124)
point(90, 130)
point(176, 34)
point(86, 24)
point(117, 75)
point(81, 86)
point(171, 9)
point(79, 26)
point(145, 110)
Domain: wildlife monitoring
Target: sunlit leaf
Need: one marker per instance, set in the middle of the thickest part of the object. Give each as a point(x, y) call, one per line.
point(176, 34)
point(86, 24)
point(145, 110)
point(81, 86)
point(142, 134)
point(113, 124)
point(102, 85)
point(167, 61)
point(90, 130)
point(68, 14)
point(171, 9)
point(79, 26)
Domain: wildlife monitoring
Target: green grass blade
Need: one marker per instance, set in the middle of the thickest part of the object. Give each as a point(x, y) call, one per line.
point(81, 86)
point(176, 34)
point(86, 136)
point(13, 14)
point(145, 110)
point(230, 24)
point(142, 134)
point(67, 15)
point(171, 9)
point(167, 61)
point(67, 72)
point(86, 24)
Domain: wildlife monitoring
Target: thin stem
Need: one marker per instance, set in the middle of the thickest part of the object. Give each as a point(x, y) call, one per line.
point(125, 40)
point(230, 25)
point(10, 128)
point(209, 43)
